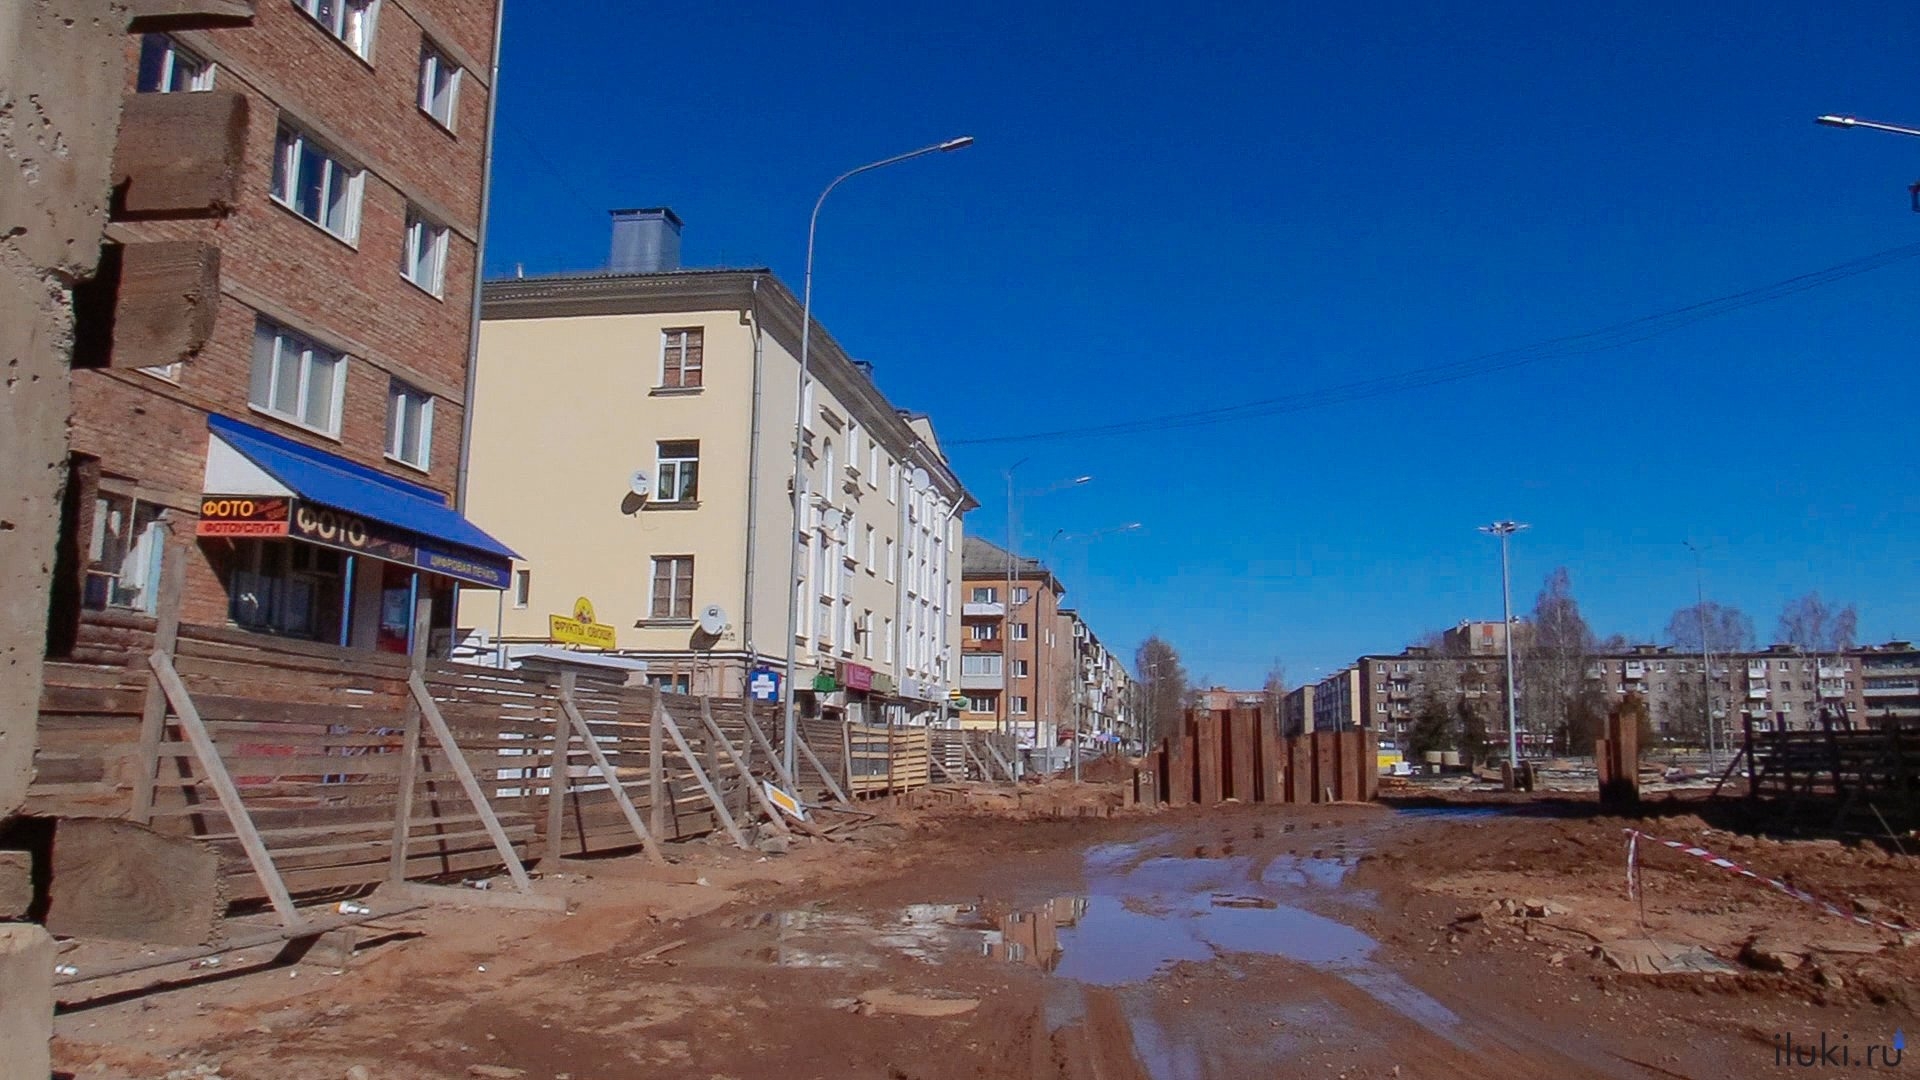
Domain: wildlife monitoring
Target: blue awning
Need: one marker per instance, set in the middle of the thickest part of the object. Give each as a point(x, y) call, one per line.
point(372, 512)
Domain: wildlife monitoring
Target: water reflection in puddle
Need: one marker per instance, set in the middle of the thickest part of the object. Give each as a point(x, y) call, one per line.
point(1140, 915)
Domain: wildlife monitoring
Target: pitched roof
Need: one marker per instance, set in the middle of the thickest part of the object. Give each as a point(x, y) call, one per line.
point(982, 559)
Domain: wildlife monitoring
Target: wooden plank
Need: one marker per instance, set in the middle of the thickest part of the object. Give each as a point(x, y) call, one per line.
point(430, 712)
point(656, 766)
point(559, 762)
point(223, 786)
point(826, 775)
point(410, 749)
point(605, 768)
point(1242, 751)
point(415, 892)
point(714, 799)
point(775, 816)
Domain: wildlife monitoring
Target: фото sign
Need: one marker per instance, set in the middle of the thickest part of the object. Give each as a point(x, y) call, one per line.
point(581, 628)
point(243, 515)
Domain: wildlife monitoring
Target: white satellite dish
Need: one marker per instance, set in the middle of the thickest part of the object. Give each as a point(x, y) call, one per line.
point(831, 520)
point(640, 483)
point(713, 620)
point(920, 479)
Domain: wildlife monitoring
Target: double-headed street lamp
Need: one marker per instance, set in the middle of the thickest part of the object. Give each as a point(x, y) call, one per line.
point(1006, 609)
point(800, 423)
point(1074, 709)
point(1504, 530)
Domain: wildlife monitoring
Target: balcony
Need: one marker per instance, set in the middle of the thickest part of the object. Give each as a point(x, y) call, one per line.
point(983, 611)
point(986, 680)
point(1757, 693)
point(1876, 693)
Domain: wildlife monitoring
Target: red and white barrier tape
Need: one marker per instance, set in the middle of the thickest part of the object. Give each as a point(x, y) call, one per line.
point(1708, 857)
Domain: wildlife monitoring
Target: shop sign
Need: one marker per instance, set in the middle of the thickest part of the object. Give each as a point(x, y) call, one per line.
point(493, 575)
point(350, 532)
point(581, 628)
point(243, 516)
point(764, 685)
point(856, 676)
point(883, 683)
point(823, 682)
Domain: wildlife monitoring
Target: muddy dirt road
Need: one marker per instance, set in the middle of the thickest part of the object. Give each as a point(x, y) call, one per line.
point(1246, 941)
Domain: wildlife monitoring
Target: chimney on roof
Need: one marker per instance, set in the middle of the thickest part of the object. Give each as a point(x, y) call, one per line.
point(645, 241)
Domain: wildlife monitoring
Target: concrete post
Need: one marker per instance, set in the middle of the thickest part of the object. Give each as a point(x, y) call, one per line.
point(26, 1008)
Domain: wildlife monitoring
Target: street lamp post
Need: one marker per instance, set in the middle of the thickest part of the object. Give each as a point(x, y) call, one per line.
point(1505, 530)
point(799, 493)
point(1706, 660)
point(1007, 609)
point(1830, 120)
point(1074, 707)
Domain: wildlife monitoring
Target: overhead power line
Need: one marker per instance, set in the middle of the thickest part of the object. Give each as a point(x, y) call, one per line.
point(1614, 336)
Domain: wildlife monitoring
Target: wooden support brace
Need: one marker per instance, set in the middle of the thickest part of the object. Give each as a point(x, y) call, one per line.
point(819, 767)
point(933, 760)
point(421, 893)
point(430, 711)
point(605, 767)
point(985, 773)
point(1013, 777)
point(766, 749)
point(409, 748)
point(774, 814)
point(153, 709)
point(700, 777)
point(230, 803)
point(558, 779)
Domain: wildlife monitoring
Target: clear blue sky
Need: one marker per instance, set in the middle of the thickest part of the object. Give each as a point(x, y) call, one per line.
point(1178, 209)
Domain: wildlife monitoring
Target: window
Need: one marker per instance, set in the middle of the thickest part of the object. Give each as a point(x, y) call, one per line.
point(681, 351)
point(409, 424)
point(827, 456)
point(679, 471)
point(985, 595)
point(887, 643)
point(1020, 631)
point(890, 558)
point(893, 481)
point(522, 587)
point(980, 703)
point(1022, 594)
point(984, 631)
point(349, 20)
point(980, 664)
point(295, 379)
point(1019, 669)
point(316, 185)
point(439, 85)
point(423, 259)
point(671, 683)
point(672, 587)
point(873, 464)
point(166, 68)
point(1019, 705)
point(123, 553)
point(281, 587)
point(866, 635)
point(870, 549)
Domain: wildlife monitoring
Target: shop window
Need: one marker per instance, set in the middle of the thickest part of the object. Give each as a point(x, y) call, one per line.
point(123, 554)
point(287, 588)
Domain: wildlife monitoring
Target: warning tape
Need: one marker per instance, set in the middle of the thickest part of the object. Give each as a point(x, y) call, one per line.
point(1711, 859)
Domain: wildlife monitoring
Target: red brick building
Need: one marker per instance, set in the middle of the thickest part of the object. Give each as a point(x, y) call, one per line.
point(306, 438)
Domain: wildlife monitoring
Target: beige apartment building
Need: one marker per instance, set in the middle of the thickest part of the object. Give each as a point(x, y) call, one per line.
point(633, 429)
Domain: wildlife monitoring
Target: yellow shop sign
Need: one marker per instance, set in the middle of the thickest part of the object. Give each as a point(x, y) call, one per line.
point(580, 628)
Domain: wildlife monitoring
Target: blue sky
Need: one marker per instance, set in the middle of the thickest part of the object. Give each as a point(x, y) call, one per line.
point(1171, 210)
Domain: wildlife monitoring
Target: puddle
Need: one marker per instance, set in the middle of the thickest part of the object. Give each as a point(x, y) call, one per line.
point(1142, 912)
point(1451, 813)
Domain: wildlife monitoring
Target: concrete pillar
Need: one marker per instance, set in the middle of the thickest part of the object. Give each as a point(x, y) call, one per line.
point(26, 1004)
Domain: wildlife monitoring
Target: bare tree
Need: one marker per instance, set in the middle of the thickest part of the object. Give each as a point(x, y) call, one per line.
point(1559, 700)
point(1728, 630)
point(1163, 687)
point(1275, 690)
point(1817, 627)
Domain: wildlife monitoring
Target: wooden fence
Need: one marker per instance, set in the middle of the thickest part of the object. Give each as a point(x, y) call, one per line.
point(1239, 754)
point(1871, 776)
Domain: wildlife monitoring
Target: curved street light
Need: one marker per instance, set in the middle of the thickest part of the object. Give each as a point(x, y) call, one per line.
point(800, 419)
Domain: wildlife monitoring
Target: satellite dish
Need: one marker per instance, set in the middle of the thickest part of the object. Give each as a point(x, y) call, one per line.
point(713, 620)
point(640, 483)
point(830, 519)
point(920, 479)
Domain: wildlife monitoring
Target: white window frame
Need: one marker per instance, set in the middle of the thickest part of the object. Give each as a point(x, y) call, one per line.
point(522, 588)
point(982, 703)
point(1020, 669)
point(1019, 704)
point(399, 397)
point(172, 59)
point(677, 466)
point(673, 583)
point(424, 253)
point(866, 634)
point(290, 145)
point(887, 644)
point(261, 393)
point(434, 62)
point(1021, 594)
point(1019, 631)
point(873, 464)
point(871, 544)
point(677, 339)
point(891, 558)
point(350, 22)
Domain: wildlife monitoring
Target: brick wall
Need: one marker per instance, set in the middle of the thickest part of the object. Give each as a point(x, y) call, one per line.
point(150, 434)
